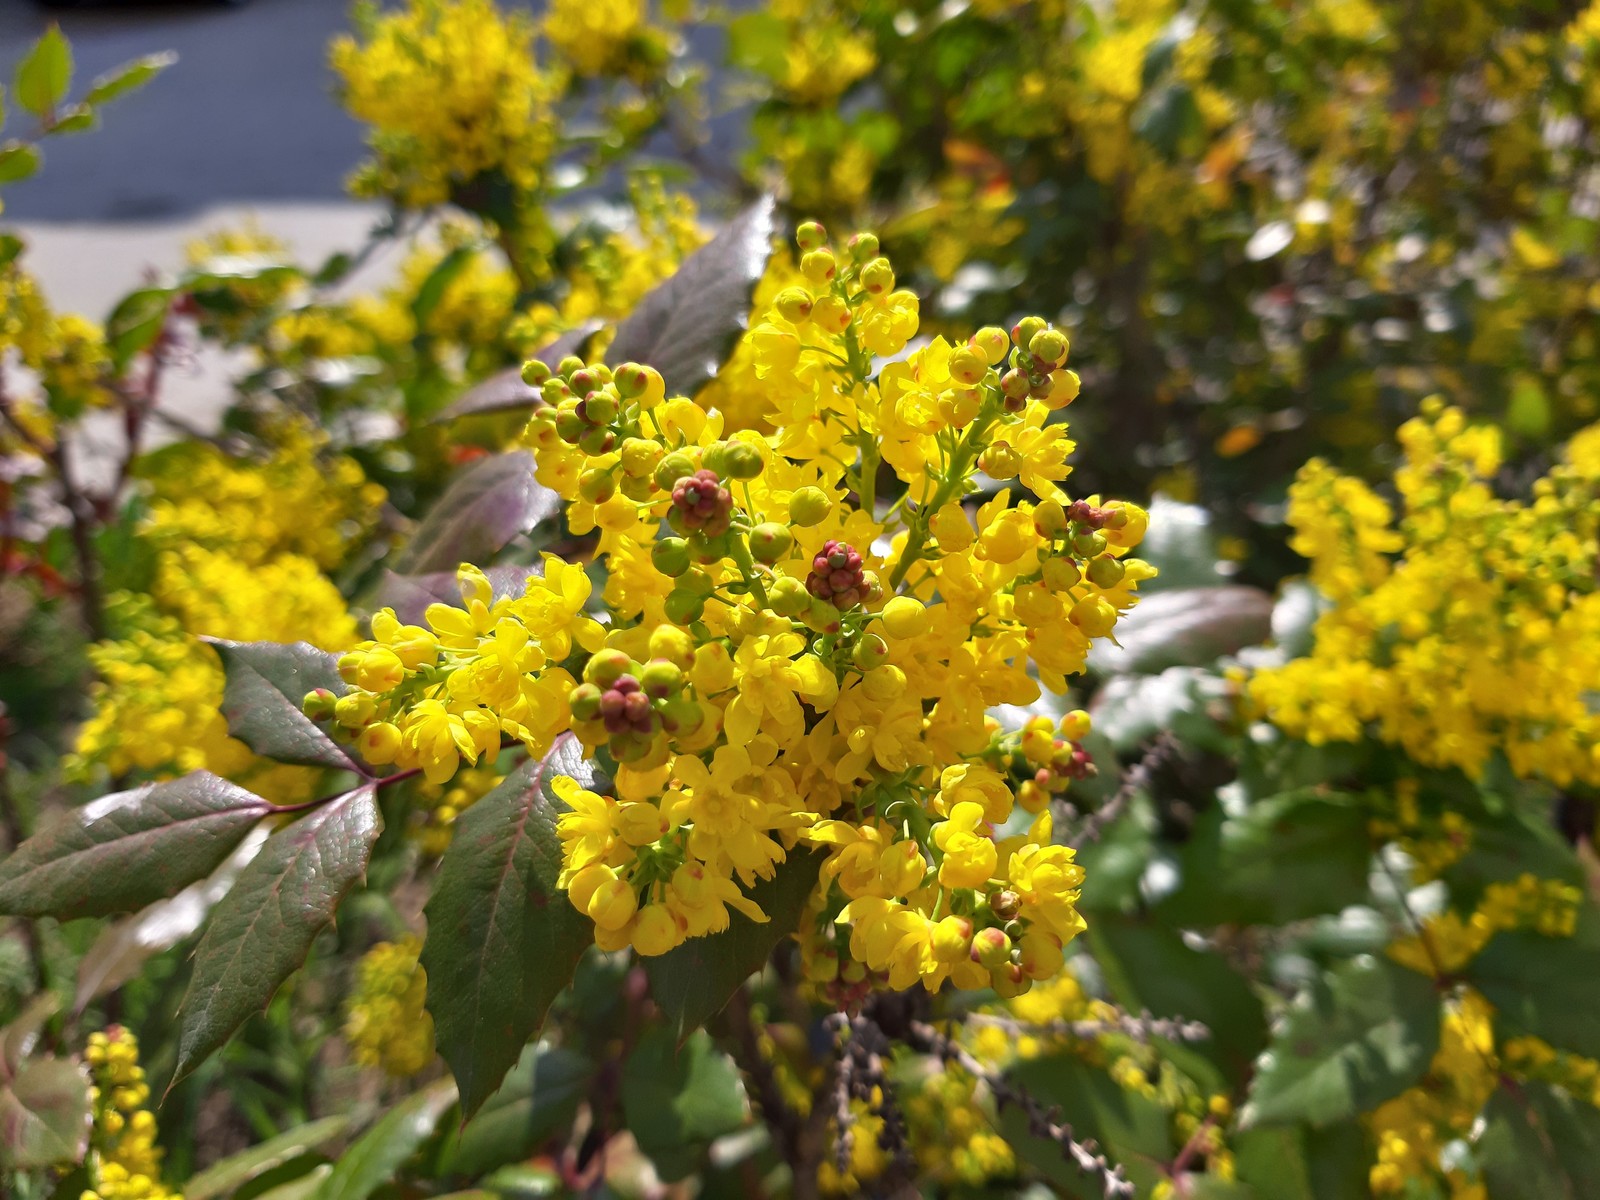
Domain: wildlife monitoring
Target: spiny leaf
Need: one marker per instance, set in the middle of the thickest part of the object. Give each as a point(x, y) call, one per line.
point(490, 503)
point(377, 1154)
point(263, 928)
point(503, 940)
point(129, 849)
point(265, 685)
point(692, 983)
point(505, 391)
point(687, 325)
point(1362, 1034)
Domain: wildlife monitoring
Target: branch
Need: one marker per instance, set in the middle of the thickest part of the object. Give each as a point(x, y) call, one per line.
point(1141, 1028)
point(1136, 780)
point(1042, 1122)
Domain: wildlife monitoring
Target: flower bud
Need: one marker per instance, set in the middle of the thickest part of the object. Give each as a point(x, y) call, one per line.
point(569, 366)
point(952, 940)
point(1005, 904)
point(905, 617)
point(613, 904)
point(681, 714)
point(1089, 544)
point(379, 743)
point(871, 651)
point(355, 710)
point(584, 700)
point(968, 366)
point(993, 343)
point(1060, 574)
point(597, 485)
point(683, 607)
point(809, 506)
point(818, 265)
point(534, 373)
point(350, 665)
point(742, 461)
point(606, 666)
point(1000, 461)
point(863, 246)
point(794, 305)
point(788, 596)
point(991, 948)
point(660, 678)
point(878, 277)
point(1105, 572)
point(1049, 518)
point(318, 704)
point(597, 440)
point(810, 235)
point(672, 644)
point(670, 556)
point(1041, 954)
point(770, 541)
point(672, 468)
point(831, 314)
point(1094, 615)
point(655, 932)
point(1022, 332)
point(1050, 346)
point(1014, 384)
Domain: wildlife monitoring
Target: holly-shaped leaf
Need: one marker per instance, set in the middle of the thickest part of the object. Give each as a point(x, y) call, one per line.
point(1540, 1143)
point(692, 983)
point(124, 851)
point(265, 685)
point(506, 392)
point(394, 1137)
point(503, 939)
point(261, 931)
point(677, 1099)
point(1362, 1034)
point(1544, 986)
point(687, 325)
point(493, 501)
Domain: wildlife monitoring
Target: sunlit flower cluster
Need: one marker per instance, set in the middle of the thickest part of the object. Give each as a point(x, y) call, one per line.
point(124, 1161)
point(1466, 626)
point(808, 621)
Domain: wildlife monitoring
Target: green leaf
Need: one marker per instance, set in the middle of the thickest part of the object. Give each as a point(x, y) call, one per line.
point(1132, 1130)
point(1272, 1161)
point(503, 940)
point(687, 325)
point(677, 1099)
point(505, 391)
point(79, 118)
point(1362, 1034)
point(45, 1114)
point(538, 1098)
point(493, 501)
point(44, 76)
point(1544, 986)
point(18, 161)
point(124, 851)
point(130, 76)
point(225, 1177)
point(18, 1039)
point(692, 983)
point(263, 928)
point(377, 1154)
point(266, 683)
point(136, 321)
point(1286, 858)
point(1185, 627)
point(1540, 1144)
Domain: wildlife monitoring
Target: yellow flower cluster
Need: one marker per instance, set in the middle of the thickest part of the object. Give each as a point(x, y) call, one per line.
point(386, 1022)
point(1413, 1129)
point(597, 37)
point(950, 1123)
point(1446, 942)
point(453, 94)
point(1469, 626)
point(790, 662)
point(442, 803)
point(240, 551)
point(124, 1161)
point(66, 353)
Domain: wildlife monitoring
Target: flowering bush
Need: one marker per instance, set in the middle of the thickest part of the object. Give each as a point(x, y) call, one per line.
point(637, 705)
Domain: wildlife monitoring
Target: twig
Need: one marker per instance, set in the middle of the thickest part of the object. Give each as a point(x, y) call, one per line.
point(779, 1114)
point(1141, 1028)
point(1136, 780)
point(1042, 1122)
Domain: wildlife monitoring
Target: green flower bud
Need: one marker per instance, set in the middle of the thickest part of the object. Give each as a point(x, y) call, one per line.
point(1060, 574)
point(569, 366)
point(570, 426)
point(871, 651)
point(584, 381)
point(672, 468)
point(631, 380)
point(1105, 572)
point(788, 596)
point(1050, 346)
point(318, 704)
point(597, 408)
point(810, 235)
point(863, 246)
point(680, 714)
point(1014, 384)
point(715, 459)
point(597, 439)
point(584, 701)
point(741, 460)
point(683, 607)
point(534, 373)
point(671, 556)
point(991, 948)
point(660, 678)
point(770, 541)
point(553, 391)
point(1022, 332)
point(1088, 544)
point(708, 549)
point(697, 582)
point(639, 491)
point(606, 666)
point(597, 485)
point(809, 506)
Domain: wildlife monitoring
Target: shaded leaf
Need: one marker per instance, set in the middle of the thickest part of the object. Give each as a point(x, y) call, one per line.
point(129, 77)
point(124, 851)
point(410, 595)
point(692, 983)
point(377, 1154)
point(45, 1114)
point(125, 946)
point(1544, 986)
point(486, 506)
point(539, 1097)
point(433, 287)
point(505, 391)
point(79, 118)
point(1362, 1034)
point(45, 74)
point(223, 1178)
point(687, 325)
point(302, 1188)
point(18, 1038)
point(1540, 1144)
point(18, 161)
point(677, 1099)
point(266, 683)
point(263, 928)
point(503, 940)
point(1185, 627)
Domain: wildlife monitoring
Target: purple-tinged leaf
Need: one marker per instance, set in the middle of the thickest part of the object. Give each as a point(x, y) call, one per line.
point(410, 595)
point(505, 391)
point(45, 1114)
point(266, 683)
point(487, 505)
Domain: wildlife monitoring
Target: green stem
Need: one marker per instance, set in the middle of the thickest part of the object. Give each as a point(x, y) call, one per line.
point(966, 453)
